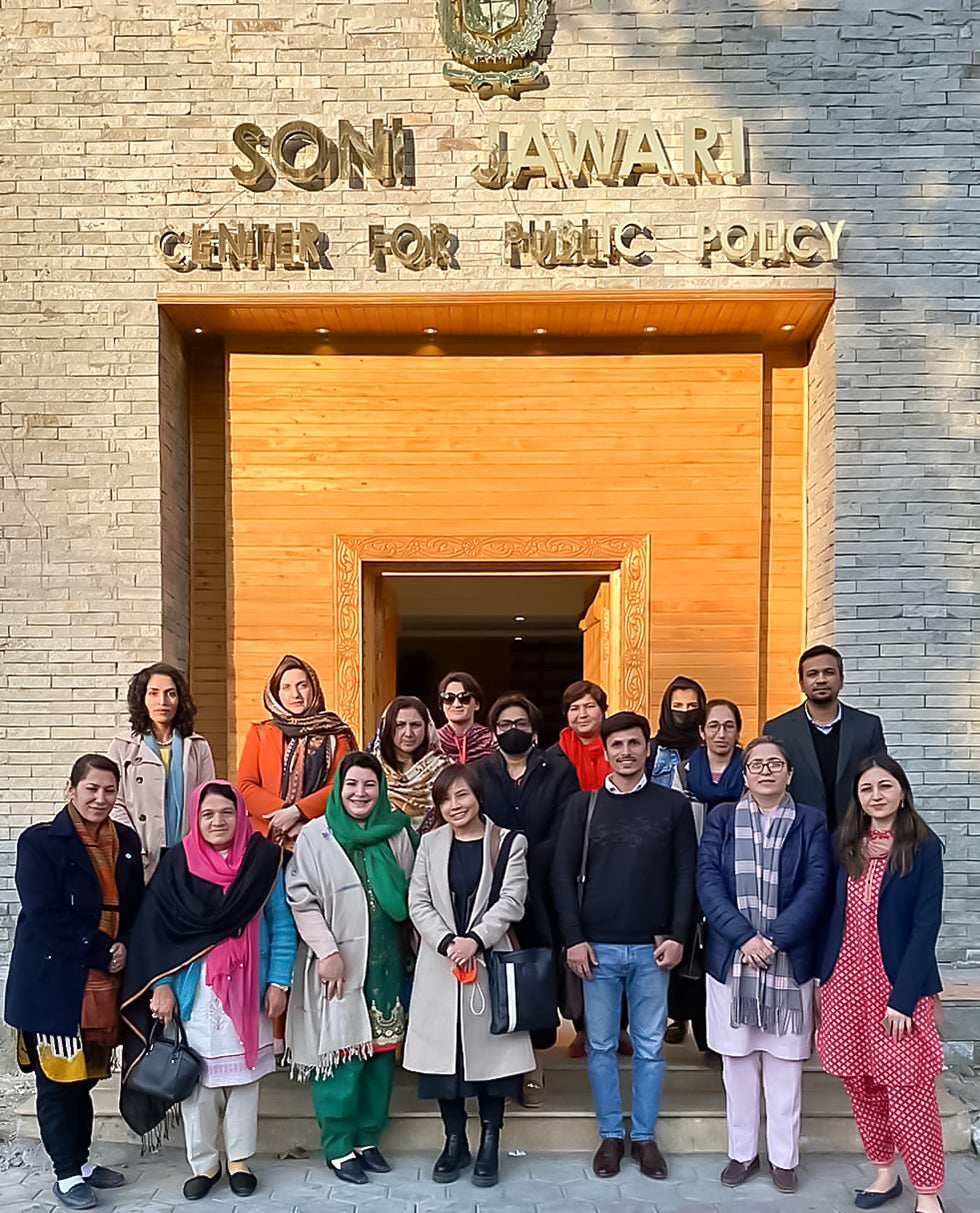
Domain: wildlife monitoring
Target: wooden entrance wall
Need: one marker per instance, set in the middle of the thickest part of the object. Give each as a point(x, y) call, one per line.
point(701, 453)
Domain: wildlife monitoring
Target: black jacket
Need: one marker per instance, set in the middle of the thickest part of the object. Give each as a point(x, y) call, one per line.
point(536, 809)
point(58, 939)
point(861, 735)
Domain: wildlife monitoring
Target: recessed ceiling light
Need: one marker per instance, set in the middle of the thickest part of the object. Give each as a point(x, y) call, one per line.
point(649, 328)
point(199, 331)
point(323, 330)
point(518, 637)
point(430, 332)
point(540, 332)
point(518, 618)
point(787, 328)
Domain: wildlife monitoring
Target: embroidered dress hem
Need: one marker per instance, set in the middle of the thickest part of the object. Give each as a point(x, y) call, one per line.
point(211, 1033)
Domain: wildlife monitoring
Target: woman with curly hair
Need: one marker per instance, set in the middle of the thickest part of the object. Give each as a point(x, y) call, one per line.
point(161, 760)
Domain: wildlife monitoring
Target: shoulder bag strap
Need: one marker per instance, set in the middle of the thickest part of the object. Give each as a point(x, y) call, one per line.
point(593, 797)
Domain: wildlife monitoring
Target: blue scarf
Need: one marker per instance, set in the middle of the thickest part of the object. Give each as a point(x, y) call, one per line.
point(702, 787)
point(173, 800)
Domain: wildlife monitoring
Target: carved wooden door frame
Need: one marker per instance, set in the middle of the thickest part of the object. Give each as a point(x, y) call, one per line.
point(626, 555)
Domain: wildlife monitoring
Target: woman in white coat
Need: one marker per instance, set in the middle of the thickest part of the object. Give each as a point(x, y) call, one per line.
point(449, 1044)
point(161, 761)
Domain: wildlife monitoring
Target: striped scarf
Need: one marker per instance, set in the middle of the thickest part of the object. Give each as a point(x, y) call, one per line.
point(769, 999)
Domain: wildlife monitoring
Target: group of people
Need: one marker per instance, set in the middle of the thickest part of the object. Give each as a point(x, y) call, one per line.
point(336, 908)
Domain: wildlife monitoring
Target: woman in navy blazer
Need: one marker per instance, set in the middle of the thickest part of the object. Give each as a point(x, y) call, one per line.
point(880, 980)
point(80, 880)
point(764, 869)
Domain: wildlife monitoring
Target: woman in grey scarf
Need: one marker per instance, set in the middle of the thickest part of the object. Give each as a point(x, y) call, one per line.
point(764, 872)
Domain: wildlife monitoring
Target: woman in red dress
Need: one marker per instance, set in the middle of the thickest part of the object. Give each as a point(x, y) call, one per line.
point(880, 981)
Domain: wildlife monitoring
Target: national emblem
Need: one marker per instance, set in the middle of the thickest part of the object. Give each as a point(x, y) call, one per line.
point(492, 42)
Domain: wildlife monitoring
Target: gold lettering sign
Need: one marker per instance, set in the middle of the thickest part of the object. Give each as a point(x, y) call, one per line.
point(244, 246)
point(305, 156)
point(751, 240)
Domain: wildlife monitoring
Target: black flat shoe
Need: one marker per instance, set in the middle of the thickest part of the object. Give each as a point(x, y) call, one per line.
point(455, 1157)
point(80, 1196)
point(199, 1186)
point(374, 1161)
point(874, 1200)
point(351, 1171)
point(242, 1183)
point(102, 1177)
point(486, 1168)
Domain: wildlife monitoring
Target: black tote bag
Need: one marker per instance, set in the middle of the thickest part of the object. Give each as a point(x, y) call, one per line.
point(169, 1070)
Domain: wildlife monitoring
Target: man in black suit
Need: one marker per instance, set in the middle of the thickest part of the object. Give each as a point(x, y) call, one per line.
point(826, 738)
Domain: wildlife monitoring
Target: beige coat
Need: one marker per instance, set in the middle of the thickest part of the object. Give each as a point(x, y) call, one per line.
point(140, 802)
point(442, 1009)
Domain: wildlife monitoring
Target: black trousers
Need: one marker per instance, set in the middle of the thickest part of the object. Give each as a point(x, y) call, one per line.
point(453, 1112)
point(64, 1116)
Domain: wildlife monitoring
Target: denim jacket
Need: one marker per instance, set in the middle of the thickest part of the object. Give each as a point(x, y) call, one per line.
point(277, 950)
point(660, 768)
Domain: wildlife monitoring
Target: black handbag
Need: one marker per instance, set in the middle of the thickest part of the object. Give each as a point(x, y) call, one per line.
point(522, 981)
point(169, 1070)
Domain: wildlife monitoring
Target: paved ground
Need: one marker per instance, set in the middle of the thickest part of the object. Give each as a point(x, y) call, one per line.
point(544, 1184)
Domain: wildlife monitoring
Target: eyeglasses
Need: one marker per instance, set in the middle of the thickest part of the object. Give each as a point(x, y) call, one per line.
point(456, 697)
point(756, 766)
point(524, 726)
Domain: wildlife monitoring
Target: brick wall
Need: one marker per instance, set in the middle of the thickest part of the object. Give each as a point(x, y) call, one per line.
point(120, 124)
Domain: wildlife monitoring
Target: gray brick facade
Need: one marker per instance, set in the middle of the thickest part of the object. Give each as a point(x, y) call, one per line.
point(118, 125)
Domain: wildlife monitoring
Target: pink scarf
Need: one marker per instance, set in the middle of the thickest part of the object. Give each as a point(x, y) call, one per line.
point(232, 966)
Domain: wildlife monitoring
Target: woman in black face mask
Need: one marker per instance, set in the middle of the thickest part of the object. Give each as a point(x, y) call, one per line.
point(525, 790)
point(679, 731)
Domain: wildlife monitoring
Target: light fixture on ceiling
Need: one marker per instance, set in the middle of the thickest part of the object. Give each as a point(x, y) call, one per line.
point(519, 618)
point(430, 332)
point(540, 332)
point(518, 637)
point(649, 328)
point(199, 331)
point(323, 331)
point(787, 328)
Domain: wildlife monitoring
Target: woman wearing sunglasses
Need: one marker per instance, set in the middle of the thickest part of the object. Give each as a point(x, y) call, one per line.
point(461, 739)
point(764, 872)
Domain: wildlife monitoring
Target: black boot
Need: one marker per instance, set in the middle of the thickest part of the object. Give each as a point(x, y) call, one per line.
point(487, 1165)
point(455, 1157)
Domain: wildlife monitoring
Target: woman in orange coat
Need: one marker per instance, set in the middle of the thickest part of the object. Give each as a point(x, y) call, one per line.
point(289, 762)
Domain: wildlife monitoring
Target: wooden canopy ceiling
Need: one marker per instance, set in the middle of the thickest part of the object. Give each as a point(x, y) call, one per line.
point(780, 318)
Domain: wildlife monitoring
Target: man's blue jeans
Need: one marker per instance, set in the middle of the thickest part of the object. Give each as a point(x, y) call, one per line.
point(628, 968)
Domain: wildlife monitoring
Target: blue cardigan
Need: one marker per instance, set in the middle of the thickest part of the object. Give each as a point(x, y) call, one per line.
point(277, 950)
point(805, 865)
point(910, 913)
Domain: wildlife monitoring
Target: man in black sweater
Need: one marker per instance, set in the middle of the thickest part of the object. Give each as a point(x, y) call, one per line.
point(624, 927)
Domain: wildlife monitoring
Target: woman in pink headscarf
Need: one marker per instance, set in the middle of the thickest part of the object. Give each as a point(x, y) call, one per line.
point(216, 943)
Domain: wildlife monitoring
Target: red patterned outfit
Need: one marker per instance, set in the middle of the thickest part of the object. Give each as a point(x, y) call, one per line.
point(891, 1083)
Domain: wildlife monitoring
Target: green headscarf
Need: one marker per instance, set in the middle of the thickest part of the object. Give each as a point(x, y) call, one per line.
point(370, 837)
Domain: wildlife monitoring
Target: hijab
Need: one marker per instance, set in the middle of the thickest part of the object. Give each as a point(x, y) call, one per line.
point(669, 735)
point(365, 841)
point(411, 790)
point(310, 738)
point(197, 903)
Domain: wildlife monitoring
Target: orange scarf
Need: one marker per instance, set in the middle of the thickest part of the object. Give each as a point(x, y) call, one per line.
point(587, 757)
point(100, 999)
point(877, 844)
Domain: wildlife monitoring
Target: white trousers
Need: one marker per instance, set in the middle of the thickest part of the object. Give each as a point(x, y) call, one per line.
point(782, 1081)
point(202, 1116)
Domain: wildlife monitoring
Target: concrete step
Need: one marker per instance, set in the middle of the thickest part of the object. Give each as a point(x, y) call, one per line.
point(692, 1118)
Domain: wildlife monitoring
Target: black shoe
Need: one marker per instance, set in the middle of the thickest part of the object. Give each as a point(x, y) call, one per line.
point(373, 1160)
point(242, 1183)
point(102, 1177)
point(874, 1200)
point(80, 1196)
point(351, 1171)
point(199, 1186)
point(455, 1157)
point(486, 1169)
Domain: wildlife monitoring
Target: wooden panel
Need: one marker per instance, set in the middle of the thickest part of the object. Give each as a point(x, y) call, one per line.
point(364, 445)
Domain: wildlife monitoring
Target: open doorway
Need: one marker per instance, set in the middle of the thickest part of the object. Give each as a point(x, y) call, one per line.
point(520, 631)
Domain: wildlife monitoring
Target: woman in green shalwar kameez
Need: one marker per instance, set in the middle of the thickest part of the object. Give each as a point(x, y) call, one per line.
point(346, 1016)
